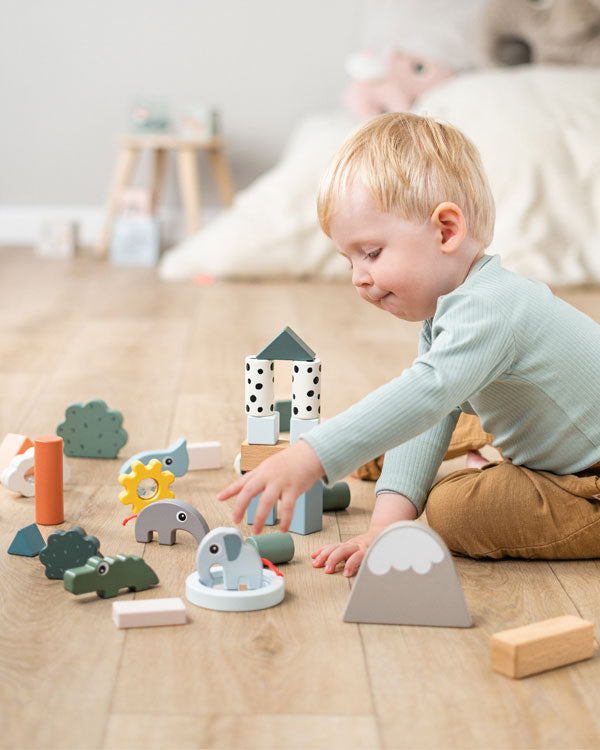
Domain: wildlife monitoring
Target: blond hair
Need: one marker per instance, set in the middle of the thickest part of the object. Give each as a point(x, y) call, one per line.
point(411, 164)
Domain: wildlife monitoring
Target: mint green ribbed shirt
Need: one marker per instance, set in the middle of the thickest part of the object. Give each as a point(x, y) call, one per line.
point(499, 346)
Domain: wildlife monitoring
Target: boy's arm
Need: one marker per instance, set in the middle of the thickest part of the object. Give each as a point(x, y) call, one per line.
point(410, 468)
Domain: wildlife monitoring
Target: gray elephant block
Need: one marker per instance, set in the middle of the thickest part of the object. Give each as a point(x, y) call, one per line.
point(167, 517)
point(241, 564)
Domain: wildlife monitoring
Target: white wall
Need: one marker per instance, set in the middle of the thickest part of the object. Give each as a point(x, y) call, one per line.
point(70, 70)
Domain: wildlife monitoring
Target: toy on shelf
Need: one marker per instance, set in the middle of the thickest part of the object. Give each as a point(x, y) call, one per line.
point(407, 577)
point(12, 445)
point(27, 542)
point(277, 547)
point(19, 475)
point(262, 420)
point(181, 457)
point(108, 575)
point(230, 575)
point(167, 517)
point(145, 484)
point(149, 613)
point(520, 652)
point(68, 549)
point(92, 430)
point(48, 474)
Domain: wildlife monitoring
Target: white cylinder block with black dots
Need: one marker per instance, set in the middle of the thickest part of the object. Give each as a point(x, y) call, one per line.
point(260, 388)
point(306, 389)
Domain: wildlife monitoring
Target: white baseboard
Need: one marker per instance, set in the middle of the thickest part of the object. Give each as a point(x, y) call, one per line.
point(21, 225)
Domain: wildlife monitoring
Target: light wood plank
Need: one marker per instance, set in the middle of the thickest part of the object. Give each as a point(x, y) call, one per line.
point(257, 732)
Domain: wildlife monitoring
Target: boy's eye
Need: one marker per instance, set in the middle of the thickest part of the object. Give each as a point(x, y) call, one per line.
point(373, 254)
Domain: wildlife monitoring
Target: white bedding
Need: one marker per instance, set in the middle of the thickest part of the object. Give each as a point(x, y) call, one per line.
point(537, 129)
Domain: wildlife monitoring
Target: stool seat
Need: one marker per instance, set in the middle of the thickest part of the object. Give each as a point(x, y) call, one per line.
point(185, 150)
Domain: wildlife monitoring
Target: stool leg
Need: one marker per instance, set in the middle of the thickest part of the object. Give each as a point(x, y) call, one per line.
point(123, 171)
point(158, 178)
point(189, 184)
point(223, 178)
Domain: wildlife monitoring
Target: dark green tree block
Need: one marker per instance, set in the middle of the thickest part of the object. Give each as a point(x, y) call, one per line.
point(108, 575)
point(92, 430)
point(27, 542)
point(285, 414)
point(287, 345)
point(67, 549)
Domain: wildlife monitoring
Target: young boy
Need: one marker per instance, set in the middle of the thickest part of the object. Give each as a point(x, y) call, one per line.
point(407, 203)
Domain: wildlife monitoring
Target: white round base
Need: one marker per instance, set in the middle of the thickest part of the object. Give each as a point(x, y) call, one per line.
point(226, 600)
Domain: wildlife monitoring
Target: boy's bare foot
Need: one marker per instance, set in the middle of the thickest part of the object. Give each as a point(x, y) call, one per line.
point(475, 460)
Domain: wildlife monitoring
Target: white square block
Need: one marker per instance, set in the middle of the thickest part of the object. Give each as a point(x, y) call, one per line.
point(263, 430)
point(204, 455)
point(299, 426)
point(146, 613)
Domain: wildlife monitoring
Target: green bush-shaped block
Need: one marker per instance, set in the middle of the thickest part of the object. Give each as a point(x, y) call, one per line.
point(92, 430)
point(67, 549)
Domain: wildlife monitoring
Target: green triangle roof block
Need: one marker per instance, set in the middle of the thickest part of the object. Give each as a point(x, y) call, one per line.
point(287, 345)
point(27, 542)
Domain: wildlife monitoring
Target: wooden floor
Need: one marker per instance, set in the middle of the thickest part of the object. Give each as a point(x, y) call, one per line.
point(295, 676)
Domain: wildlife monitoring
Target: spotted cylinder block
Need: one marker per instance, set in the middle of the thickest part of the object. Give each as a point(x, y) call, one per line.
point(306, 389)
point(260, 379)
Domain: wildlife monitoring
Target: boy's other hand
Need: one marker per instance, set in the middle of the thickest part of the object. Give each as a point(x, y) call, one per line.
point(283, 476)
point(352, 552)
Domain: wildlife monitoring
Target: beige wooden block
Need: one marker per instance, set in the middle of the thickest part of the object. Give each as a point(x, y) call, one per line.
point(145, 613)
point(204, 455)
point(534, 648)
point(253, 455)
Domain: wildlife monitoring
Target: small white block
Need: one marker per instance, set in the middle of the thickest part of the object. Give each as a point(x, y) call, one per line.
point(146, 613)
point(262, 430)
point(299, 426)
point(204, 455)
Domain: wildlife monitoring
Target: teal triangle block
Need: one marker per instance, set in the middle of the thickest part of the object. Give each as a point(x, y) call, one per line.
point(28, 542)
point(287, 345)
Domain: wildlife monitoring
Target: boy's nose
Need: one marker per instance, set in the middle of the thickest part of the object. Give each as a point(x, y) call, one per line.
point(360, 276)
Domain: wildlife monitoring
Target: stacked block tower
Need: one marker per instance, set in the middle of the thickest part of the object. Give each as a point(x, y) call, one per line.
point(263, 420)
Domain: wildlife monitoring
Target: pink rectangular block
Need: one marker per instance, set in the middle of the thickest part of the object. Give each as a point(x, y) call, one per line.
point(147, 613)
point(204, 455)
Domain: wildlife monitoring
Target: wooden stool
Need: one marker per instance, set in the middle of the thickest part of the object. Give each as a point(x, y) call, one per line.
point(187, 168)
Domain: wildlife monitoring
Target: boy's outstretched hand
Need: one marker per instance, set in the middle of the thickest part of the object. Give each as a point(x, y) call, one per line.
point(284, 476)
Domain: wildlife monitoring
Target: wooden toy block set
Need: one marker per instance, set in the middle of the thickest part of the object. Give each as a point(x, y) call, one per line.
point(407, 576)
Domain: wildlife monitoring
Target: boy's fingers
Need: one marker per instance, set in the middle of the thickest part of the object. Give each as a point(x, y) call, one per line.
point(320, 555)
point(244, 498)
point(343, 552)
point(233, 488)
point(266, 502)
point(287, 512)
point(353, 563)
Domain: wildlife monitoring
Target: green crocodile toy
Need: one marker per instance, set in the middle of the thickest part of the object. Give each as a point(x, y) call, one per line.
point(108, 575)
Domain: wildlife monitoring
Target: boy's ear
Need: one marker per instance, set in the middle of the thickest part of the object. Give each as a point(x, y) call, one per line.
point(449, 220)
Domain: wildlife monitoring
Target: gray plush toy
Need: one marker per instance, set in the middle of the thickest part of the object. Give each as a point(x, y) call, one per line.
point(516, 32)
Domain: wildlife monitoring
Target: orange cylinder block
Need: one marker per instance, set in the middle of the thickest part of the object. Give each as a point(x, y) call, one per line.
point(48, 468)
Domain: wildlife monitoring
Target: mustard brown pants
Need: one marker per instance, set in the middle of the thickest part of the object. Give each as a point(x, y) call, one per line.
point(502, 510)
